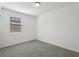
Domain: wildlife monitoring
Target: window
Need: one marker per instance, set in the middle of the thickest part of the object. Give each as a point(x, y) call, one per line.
point(15, 24)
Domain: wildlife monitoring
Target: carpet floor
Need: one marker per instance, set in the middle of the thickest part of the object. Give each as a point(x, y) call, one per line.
point(36, 48)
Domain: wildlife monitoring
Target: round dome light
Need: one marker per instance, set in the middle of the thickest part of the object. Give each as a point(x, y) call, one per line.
point(37, 4)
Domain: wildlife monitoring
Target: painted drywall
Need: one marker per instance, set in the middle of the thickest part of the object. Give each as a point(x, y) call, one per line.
point(0, 30)
point(27, 30)
point(1, 26)
point(60, 27)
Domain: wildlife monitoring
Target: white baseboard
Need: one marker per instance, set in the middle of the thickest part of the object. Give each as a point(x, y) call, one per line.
point(59, 46)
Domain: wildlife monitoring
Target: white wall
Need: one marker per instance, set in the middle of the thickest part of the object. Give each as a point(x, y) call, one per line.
point(60, 27)
point(1, 26)
point(0, 30)
point(28, 29)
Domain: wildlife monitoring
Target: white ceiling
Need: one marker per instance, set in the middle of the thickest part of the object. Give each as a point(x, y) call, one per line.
point(28, 8)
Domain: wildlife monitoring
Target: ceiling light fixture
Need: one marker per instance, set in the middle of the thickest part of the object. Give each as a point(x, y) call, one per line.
point(37, 4)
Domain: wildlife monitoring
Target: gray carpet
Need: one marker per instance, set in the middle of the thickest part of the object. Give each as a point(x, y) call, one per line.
point(36, 48)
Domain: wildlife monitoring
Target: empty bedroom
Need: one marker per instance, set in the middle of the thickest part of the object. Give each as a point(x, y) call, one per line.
point(39, 29)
